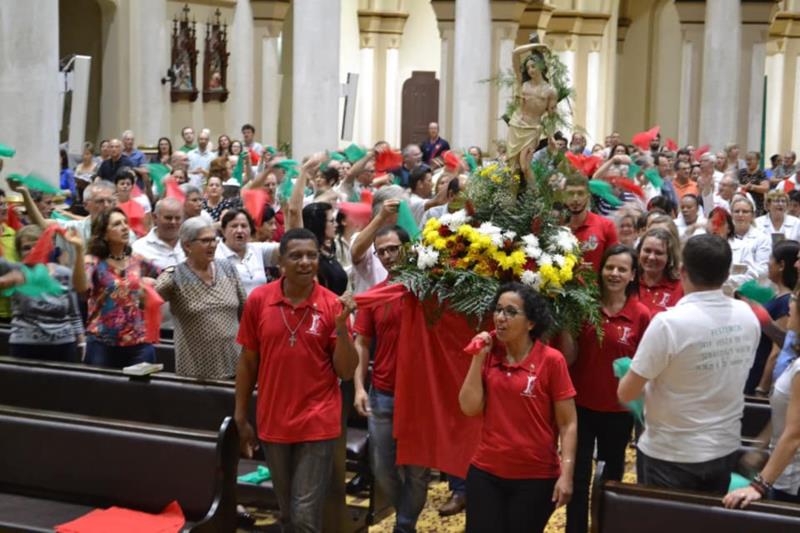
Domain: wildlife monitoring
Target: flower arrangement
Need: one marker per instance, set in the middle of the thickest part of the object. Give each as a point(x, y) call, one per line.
point(508, 230)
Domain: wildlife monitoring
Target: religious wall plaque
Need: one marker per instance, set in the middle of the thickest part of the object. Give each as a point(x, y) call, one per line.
point(215, 66)
point(184, 58)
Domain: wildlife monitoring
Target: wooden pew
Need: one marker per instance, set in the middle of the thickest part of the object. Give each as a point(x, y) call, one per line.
point(58, 466)
point(756, 416)
point(626, 508)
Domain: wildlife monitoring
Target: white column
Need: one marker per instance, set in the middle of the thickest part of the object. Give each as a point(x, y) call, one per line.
point(568, 58)
point(773, 140)
point(470, 68)
point(315, 73)
point(447, 33)
point(593, 107)
point(149, 59)
point(795, 140)
point(755, 111)
point(29, 86)
point(684, 117)
point(505, 65)
point(721, 57)
point(366, 80)
point(392, 103)
point(241, 81)
point(271, 80)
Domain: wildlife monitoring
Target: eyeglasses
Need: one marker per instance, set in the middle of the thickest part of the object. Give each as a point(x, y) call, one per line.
point(390, 250)
point(509, 312)
point(207, 241)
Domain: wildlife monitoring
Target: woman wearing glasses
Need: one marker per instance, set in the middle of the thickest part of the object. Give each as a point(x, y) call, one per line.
point(206, 298)
point(254, 261)
point(751, 247)
point(523, 389)
point(601, 418)
point(777, 223)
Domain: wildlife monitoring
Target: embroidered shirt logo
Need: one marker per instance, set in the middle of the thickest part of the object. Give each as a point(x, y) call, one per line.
point(626, 331)
point(315, 323)
point(528, 392)
point(590, 244)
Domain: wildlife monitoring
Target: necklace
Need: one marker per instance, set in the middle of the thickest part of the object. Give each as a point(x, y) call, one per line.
point(118, 257)
point(293, 332)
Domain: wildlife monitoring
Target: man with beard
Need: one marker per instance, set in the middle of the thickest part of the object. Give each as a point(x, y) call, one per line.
point(594, 232)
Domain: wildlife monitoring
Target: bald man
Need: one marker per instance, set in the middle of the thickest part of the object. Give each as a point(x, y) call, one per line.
point(434, 145)
point(108, 169)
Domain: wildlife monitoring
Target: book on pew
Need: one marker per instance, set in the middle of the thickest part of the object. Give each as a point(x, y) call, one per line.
point(143, 369)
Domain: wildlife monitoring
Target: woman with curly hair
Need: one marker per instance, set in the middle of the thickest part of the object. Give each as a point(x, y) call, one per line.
point(659, 258)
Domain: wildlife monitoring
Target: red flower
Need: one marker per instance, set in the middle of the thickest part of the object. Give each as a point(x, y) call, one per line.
point(444, 231)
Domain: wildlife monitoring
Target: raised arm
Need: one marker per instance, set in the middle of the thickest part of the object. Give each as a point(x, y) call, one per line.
point(364, 239)
point(294, 218)
point(345, 358)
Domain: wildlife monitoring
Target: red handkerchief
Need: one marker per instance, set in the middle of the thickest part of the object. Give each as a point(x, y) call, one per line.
point(120, 520)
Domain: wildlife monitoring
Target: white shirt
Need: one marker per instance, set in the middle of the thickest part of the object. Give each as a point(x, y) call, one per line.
point(251, 268)
point(198, 159)
point(699, 225)
point(696, 356)
point(789, 480)
point(750, 258)
point(790, 228)
point(368, 272)
point(158, 252)
point(417, 205)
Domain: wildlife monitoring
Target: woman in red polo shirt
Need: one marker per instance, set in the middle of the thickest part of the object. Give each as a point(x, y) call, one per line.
point(522, 388)
point(601, 418)
point(659, 258)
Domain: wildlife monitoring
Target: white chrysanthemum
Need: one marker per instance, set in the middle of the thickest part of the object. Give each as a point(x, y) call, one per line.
point(531, 246)
point(531, 240)
point(493, 232)
point(566, 241)
point(454, 220)
point(558, 259)
point(531, 279)
point(509, 235)
point(545, 259)
point(427, 257)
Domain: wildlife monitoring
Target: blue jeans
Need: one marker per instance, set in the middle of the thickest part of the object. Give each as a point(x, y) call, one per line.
point(301, 473)
point(405, 485)
point(99, 354)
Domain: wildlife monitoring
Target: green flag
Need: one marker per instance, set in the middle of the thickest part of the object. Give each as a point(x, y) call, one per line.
point(737, 482)
point(633, 170)
point(405, 219)
point(621, 367)
point(289, 167)
point(755, 292)
point(654, 178)
point(239, 170)
point(32, 181)
point(604, 191)
point(6, 151)
point(354, 153)
point(38, 282)
point(158, 172)
point(471, 163)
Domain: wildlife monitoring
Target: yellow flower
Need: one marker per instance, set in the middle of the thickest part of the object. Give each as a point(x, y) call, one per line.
point(565, 274)
point(550, 276)
point(432, 225)
point(440, 243)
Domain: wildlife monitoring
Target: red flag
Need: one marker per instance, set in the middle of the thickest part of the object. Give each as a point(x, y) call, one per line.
point(135, 213)
point(672, 146)
point(152, 313)
point(451, 161)
point(254, 157)
point(12, 220)
point(387, 160)
point(40, 253)
point(643, 138)
point(358, 213)
point(254, 201)
point(136, 191)
point(366, 197)
point(173, 189)
point(717, 219)
point(698, 153)
point(628, 185)
point(586, 165)
point(121, 520)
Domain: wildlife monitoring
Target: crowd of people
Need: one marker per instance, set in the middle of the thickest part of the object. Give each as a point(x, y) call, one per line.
point(256, 259)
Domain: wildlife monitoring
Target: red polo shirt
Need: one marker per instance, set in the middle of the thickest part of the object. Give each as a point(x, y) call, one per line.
point(592, 373)
point(661, 296)
point(595, 235)
point(383, 324)
point(519, 435)
point(298, 390)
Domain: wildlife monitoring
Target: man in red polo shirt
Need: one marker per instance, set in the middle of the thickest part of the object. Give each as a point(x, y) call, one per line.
point(295, 342)
point(405, 485)
point(594, 232)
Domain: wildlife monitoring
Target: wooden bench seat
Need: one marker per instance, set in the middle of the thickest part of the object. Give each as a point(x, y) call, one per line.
point(57, 465)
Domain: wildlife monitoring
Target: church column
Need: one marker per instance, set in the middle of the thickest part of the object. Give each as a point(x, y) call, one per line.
point(471, 91)
point(242, 76)
point(315, 76)
point(268, 19)
point(445, 11)
point(29, 87)
point(534, 19)
point(756, 18)
point(505, 28)
point(379, 99)
point(691, 15)
point(721, 61)
point(783, 84)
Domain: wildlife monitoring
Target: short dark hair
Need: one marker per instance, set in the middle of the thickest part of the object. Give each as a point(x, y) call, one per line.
point(268, 214)
point(397, 230)
point(577, 180)
point(534, 305)
point(417, 175)
point(786, 252)
point(331, 175)
point(663, 203)
point(183, 129)
point(124, 173)
point(794, 196)
point(620, 249)
point(454, 186)
point(707, 260)
point(98, 246)
point(315, 219)
point(691, 197)
point(248, 127)
point(230, 214)
point(296, 234)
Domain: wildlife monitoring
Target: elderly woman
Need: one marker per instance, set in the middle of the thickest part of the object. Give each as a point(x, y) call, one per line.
point(691, 221)
point(522, 388)
point(115, 330)
point(751, 247)
point(659, 258)
point(206, 298)
point(46, 327)
point(777, 222)
point(627, 220)
point(253, 261)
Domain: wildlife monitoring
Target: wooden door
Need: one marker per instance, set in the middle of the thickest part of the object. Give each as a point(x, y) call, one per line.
point(420, 106)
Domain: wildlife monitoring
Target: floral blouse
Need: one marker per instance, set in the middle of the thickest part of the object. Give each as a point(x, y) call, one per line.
point(116, 301)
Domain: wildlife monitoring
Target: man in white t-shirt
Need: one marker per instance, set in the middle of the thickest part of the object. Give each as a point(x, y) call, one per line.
point(692, 364)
